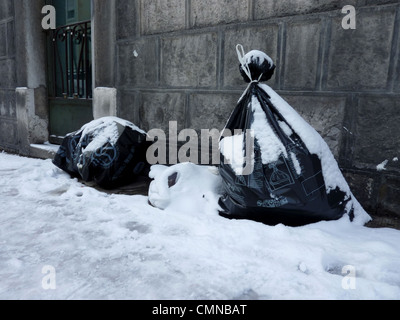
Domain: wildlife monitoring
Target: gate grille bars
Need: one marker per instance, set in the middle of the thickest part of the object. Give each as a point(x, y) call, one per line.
point(72, 67)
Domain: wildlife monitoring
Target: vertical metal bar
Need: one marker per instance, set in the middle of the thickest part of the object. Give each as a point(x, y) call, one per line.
point(53, 47)
point(67, 69)
point(85, 67)
point(72, 67)
point(80, 71)
point(82, 62)
point(86, 60)
point(58, 59)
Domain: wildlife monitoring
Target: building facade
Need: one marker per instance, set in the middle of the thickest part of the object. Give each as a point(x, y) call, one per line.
point(156, 61)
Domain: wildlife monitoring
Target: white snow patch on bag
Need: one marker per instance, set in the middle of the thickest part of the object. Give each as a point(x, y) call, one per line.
point(271, 146)
point(105, 130)
point(255, 55)
point(232, 149)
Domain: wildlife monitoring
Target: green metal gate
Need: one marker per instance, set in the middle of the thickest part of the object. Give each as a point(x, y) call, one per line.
point(70, 68)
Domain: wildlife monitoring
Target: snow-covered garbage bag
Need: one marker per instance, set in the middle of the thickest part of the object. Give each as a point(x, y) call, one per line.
point(109, 151)
point(289, 175)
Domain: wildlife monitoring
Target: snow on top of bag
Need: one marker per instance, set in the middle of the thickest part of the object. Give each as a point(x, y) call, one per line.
point(285, 128)
point(313, 141)
point(258, 56)
point(105, 130)
point(271, 146)
point(232, 148)
point(255, 65)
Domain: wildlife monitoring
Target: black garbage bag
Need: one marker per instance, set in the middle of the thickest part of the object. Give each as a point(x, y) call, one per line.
point(109, 151)
point(294, 178)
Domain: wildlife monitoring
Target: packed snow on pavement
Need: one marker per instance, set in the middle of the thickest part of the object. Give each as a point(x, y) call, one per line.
point(60, 239)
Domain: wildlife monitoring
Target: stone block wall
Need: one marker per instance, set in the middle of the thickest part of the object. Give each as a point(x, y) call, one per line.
point(176, 61)
point(8, 116)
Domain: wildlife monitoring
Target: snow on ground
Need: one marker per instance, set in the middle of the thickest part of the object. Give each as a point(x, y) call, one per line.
point(103, 246)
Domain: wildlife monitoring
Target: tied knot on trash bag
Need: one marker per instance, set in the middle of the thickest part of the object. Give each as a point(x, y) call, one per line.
point(255, 66)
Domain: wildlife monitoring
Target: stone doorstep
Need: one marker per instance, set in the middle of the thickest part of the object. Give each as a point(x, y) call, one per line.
point(43, 151)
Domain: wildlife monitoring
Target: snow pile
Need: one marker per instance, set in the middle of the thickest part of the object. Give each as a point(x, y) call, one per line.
point(185, 187)
point(108, 246)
